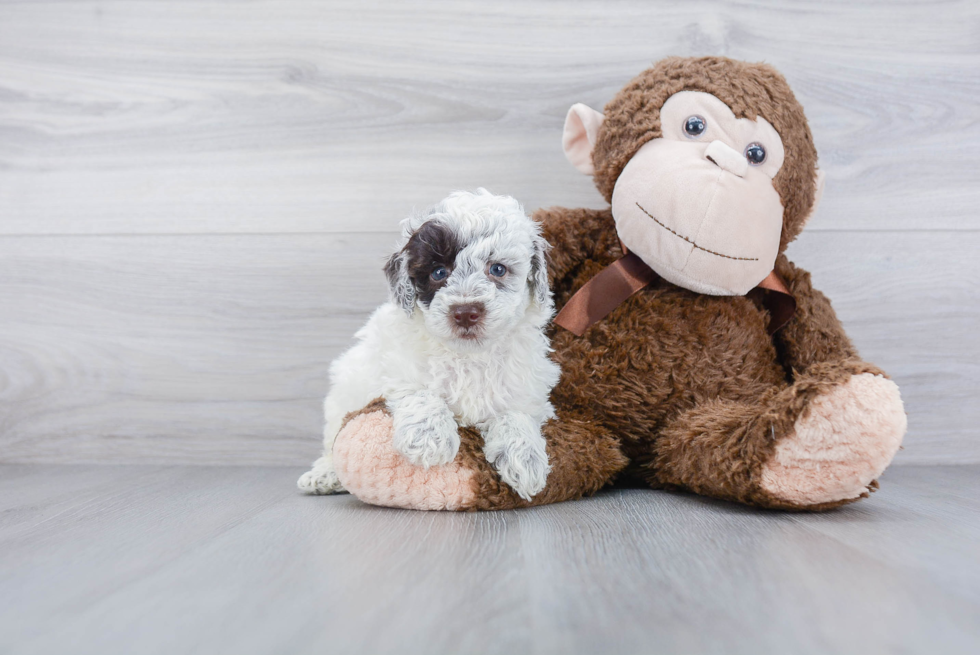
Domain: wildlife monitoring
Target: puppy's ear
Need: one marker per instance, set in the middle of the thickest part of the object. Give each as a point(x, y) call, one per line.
point(538, 278)
point(399, 283)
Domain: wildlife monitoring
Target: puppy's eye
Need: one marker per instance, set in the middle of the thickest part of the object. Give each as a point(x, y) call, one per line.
point(498, 270)
point(755, 153)
point(695, 126)
point(440, 273)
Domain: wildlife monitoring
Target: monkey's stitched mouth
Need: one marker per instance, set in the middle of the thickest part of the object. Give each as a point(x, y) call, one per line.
point(681, 236)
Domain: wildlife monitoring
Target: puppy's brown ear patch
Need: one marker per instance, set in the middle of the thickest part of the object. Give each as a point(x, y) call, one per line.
point(433, 245)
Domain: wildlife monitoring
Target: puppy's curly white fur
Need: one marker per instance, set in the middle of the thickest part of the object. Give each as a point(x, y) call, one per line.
point(460, 342)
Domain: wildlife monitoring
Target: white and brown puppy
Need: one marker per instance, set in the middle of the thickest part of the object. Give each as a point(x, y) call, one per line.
point(460, 343)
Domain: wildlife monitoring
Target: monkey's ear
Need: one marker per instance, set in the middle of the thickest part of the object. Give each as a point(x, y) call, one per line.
point(581, 127)
point(399, 283)
point(819, 182)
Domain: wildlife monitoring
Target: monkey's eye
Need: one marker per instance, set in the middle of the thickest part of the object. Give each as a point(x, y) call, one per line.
point(755, 153)
point(694, 126)
point(498, 270)
point(440, 273)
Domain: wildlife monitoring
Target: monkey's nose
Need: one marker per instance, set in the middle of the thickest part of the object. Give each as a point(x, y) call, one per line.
point(727, 158)
point(466, 316)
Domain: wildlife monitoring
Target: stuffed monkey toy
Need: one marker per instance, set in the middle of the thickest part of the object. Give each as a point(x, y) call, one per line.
point(694, 354)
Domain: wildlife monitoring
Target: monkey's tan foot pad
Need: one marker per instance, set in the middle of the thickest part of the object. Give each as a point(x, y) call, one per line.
point(840, 445)
point(369, 467)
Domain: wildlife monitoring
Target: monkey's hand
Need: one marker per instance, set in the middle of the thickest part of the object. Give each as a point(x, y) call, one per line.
point(426, 432)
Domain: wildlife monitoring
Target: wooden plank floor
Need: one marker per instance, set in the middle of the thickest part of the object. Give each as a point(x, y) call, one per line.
point(130, 559)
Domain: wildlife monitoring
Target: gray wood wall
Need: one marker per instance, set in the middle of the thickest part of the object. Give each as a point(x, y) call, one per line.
point(195, 197)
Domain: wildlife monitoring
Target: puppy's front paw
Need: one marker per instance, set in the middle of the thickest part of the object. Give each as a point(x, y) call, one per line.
point(426, 438)
point(515, 448)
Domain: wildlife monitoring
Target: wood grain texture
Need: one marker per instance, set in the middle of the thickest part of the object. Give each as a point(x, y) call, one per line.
point(195, 196)
point(288, 116)
point(121, 559)
point(214, 349)
point(211, 349)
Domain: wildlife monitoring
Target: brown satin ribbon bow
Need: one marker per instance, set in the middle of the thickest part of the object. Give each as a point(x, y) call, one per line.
point(628, 274)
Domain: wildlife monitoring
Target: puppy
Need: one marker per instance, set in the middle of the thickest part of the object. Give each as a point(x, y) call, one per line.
point(460, 343)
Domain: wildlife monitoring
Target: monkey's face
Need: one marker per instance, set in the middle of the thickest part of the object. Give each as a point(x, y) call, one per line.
point(698, 204)
point(709, 166)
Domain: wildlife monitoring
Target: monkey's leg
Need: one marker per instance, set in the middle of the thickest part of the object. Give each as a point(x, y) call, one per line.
point(583, 458)
point(816, 444)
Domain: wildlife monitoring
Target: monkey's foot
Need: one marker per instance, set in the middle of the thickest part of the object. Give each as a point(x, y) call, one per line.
point(840, 445)
point(369, 467)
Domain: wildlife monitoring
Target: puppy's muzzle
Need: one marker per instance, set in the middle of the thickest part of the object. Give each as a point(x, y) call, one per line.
point(467, 316)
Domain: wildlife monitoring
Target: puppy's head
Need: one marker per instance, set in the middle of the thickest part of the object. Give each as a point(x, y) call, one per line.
point(474, 267)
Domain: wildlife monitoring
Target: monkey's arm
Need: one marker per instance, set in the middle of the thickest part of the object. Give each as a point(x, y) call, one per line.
point(814, 340)
point(577, 236)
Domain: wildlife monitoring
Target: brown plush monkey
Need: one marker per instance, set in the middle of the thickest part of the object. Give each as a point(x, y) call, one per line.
point(710, 170)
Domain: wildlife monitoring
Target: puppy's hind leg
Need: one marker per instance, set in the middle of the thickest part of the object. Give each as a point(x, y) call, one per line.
point(321, 479)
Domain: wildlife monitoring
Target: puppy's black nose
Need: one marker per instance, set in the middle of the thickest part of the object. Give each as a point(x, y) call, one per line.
point(467, 316)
